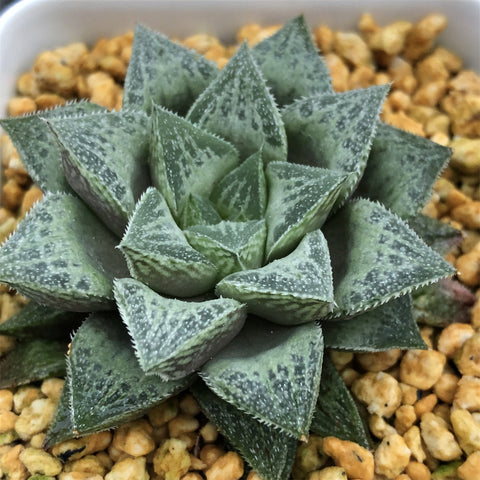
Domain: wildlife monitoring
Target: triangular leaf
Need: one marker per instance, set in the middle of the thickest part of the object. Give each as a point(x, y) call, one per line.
point(293, 290)
point(271, 372)
point(335, 131)
point(158, 253)
point(230, 246)
point(242, 194)
point(186, 160)
point(291, 63)
point(388, 326)
point(269, 451)
point(199, 211)
point(104, 162)
point(238, 107)
point(38, 148)
point(172, 338)
point(376, 257)
point(61, 255)
point(402, 169)
point(107, 386)
point(61, 428)
point(336, 413)
point(164, 72)
point(299, 200)
point(32, 360)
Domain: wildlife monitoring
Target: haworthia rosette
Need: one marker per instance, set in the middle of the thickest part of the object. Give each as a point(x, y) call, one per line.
point(158, 253)
point(61, 255)
point(271, 372)
point(238, 107)
point(293, 290)
point(172, 338)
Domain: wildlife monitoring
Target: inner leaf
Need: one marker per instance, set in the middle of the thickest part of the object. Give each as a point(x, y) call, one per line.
point(198, 211)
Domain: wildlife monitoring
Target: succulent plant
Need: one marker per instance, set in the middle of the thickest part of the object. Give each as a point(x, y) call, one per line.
point(222, 230)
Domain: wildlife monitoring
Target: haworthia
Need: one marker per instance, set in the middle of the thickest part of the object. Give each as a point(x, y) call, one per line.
point(61, 255)
point(172, 338)
point(271, 372)
point(238, 107)
point(158, 253)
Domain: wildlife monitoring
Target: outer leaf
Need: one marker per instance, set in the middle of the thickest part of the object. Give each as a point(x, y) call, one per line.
point(61, 428)
point(401, 170)
point(242, 194)
point(38, 148)
point(104, 162)
point(164, 72)
point(271, 372)
point(159, 255)
point(199, 211)
point(238, 107)
point(61, 255)
point(107, 386)
point(230, 246)
point(186, 160)
point(291, 63)
point(336, 413)
point(299, 200)
point(388, 326)
point(32, 360)
point(269, 451)
point(173, 338)
point(37, 321)
point(385, 258)
point(293, 290)
point(335, 131)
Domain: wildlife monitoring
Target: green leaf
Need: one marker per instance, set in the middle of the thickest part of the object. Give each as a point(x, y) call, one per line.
point(32, 360)
point(61, 255)
point(388, 326)
point(299, 200)
point(107, 386)
point(271, 372)
point(186, 160)
point(37, 146)
point(242, 194)
point(336, 413)
point(61, 428)
point(335, 131)
point(230, 246)
point(158, 253)
point(386, 259)
point(104, 162)
point(269, 451)
point(238, 106)
point(164, 72)
point(199, 211)
point(39, 321)
point(293, 290)
point(291, 63)
point(402, 169)
point(172, 338)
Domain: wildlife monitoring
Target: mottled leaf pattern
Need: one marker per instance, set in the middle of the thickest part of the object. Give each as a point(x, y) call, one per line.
point(107, 386)
point(388, 326)
point(293, 290)
point(172, 338)
point(238, 106)
point(269, 451)
point(158, 253)
point(291, 64)
point(104, 160)
point(37, 146)
point(186, 160)
point(164, 72)
point(385, 259)
point(230, 246)
point(300, 198)
point(401, 170)
point(336, 414)
point(271, 372)
point(61, 255)
point(241, 195)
